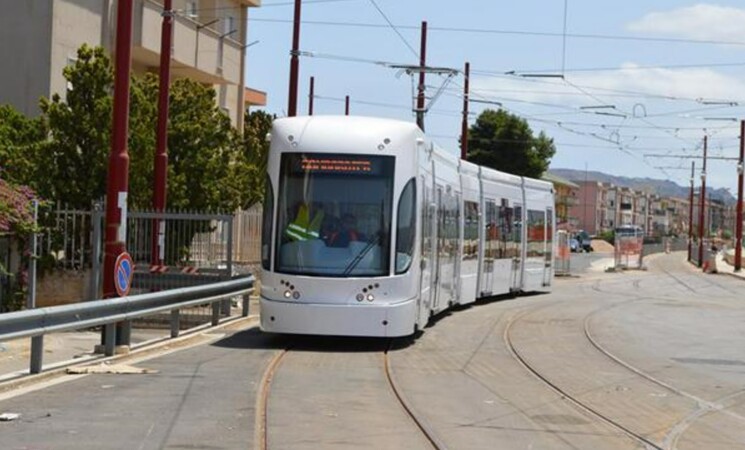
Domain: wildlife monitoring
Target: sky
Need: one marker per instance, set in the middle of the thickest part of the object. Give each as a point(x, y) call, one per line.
point(629, 81)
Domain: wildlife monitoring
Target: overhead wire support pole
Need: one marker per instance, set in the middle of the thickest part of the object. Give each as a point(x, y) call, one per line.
point(702, 207)
point(117, 185)
point(738, 216)
point(464, 124)
point(690, 211)
point(420, 87)
point(346, 105)
point(311, 95)
point(157, 250)
point(294, 62)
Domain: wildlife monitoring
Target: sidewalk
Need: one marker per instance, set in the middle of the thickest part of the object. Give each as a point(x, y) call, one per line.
point(68, 346)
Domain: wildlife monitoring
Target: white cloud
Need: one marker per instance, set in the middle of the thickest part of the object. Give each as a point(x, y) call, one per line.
point(702, 21)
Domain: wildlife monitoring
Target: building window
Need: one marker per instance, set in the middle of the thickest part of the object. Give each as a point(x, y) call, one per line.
point(71, 61)
point(228, 24)
point(191, 10)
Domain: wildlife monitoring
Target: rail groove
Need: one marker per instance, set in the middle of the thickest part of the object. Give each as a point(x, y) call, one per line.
point(566, 395)
point(261, 439)
point(418, 421)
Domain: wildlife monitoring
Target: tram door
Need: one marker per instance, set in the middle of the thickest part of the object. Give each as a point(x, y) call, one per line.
point(429, 265)
point(437, 249)
point(490, 239)
point(549, 247)
point(517, 242)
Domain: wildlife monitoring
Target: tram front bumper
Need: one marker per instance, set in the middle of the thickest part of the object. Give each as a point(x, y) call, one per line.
point(384, 320)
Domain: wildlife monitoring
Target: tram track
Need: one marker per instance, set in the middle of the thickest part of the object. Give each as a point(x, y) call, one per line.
point(565, 395)
point(704, 407)
point(420, 422)
point(261, 439)
point(261, 428)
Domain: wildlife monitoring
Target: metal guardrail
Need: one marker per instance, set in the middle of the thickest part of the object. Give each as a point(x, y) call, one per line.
point(35, 323)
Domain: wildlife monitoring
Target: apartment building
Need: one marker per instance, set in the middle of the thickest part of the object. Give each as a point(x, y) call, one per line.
point(38, 38)
point(565, 195)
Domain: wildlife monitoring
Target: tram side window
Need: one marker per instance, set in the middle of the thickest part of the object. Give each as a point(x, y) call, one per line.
point(406, 228)
point(536, 232)
point(492, 231)
point(471, 230)
point(505, 231)
point(266, 225)
point(517, 231)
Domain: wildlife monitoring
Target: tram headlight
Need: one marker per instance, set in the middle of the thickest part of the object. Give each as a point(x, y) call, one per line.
point(288, 294)
point(360, 297)
point(370, 297)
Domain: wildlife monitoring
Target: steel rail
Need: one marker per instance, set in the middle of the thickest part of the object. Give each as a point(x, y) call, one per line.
point(647, 443)
point(421, 424)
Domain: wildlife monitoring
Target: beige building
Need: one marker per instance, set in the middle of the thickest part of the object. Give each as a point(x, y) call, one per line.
point(38, 38)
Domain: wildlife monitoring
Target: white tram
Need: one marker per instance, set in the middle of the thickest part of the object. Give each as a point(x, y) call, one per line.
point(370, 229)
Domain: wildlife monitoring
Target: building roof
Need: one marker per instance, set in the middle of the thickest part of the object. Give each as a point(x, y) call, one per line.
point(555, 179)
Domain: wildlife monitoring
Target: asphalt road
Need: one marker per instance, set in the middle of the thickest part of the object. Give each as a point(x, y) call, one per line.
point(609, 360)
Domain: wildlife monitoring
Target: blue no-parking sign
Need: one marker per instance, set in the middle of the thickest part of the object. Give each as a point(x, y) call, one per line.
point(123, 273)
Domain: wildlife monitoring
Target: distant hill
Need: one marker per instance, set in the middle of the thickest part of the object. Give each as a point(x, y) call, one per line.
point(665, 188)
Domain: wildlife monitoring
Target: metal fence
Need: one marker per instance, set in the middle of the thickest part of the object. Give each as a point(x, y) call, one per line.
point(197, 248)
point(247, 236)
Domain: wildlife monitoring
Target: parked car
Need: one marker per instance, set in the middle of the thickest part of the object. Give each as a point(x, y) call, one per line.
point(573, 245)
point(585, 242)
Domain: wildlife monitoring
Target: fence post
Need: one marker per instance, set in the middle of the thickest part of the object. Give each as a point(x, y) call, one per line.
point(246, 299)
point(37, 354)
point(31, 302)
point(215, 313)
point(175, 323)
point(94, 285)
point(227, 302)
point(109, 331)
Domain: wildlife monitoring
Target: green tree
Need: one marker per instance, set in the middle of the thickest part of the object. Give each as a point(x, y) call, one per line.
point(505, 142)
point(20, 141)
point(254, 156)
point(75, 159)
point(208, 167)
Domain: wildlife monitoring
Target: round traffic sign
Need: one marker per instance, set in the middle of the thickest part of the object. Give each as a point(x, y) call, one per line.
point(123, 273)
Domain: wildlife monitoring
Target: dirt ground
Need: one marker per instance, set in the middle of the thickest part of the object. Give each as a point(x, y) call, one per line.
point(601, 246)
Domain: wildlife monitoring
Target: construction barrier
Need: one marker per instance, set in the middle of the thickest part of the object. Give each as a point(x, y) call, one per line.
point(562, 263)
point(628, 252)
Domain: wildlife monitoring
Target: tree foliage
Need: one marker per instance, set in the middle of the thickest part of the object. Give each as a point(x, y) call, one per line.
point(64, 154)
point(20, 139)
point(75, 158)
point(505, 142)
point(254, 154)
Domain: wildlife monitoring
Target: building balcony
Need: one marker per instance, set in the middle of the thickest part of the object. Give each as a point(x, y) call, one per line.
point(567, 201)
point(198, 52)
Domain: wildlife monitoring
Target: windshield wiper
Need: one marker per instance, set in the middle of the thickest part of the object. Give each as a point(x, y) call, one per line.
point(361, 255)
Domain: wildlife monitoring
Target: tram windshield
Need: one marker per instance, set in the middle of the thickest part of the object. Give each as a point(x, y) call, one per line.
point(334, 214)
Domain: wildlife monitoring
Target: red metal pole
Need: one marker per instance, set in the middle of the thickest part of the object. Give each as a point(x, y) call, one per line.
point(420, 100)
point(161, 144)
point(312, 95)
point(118, 181)
point(702, 207)
point(738, 225)
point(294, 62)
point(690, 211)
point(346, 105)
point(464, 124)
